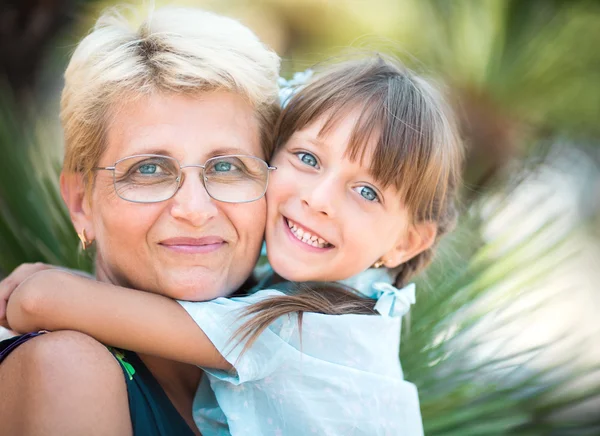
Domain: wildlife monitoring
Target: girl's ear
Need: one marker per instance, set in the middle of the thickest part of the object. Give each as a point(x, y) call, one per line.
point(75, 196)
point(417, 238)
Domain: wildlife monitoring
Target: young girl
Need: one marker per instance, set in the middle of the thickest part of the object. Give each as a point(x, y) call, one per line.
point(368, 162)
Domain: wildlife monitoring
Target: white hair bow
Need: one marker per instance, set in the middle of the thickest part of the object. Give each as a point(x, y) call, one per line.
point(392, 301)
point(376, 283)
point(287, 88)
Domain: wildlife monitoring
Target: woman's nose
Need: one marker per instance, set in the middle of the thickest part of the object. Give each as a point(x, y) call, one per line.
point(192, 202)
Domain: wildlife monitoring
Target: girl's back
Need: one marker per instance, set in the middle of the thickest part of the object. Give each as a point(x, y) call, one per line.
point(341, 376)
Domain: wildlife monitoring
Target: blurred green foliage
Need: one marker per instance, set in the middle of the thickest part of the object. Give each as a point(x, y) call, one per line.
point(460, 346)
point(34, 222)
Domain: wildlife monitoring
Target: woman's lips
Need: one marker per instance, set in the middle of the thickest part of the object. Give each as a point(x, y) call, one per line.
point(205, 244)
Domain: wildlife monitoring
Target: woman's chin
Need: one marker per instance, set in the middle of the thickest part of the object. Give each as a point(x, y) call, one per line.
point(193, 286)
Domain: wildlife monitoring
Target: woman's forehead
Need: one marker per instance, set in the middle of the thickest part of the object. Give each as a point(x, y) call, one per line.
point(184, 127)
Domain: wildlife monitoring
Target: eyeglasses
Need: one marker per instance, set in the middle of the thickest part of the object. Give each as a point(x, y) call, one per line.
point(151, 178)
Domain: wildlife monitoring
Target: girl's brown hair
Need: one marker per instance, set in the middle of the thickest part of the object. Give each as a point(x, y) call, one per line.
point(418, 151)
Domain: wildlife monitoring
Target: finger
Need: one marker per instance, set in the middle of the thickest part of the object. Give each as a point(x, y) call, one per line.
point(6, 287)
point(10, 283)
point(26, 270)
point(22, 272)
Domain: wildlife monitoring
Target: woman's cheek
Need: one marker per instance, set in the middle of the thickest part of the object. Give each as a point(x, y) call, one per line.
point(124, 227)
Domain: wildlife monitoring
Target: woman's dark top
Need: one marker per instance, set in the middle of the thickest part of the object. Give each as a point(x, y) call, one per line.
point(151, 411)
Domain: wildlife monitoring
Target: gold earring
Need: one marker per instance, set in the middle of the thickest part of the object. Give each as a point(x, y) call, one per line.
point(84, 240)
point(378, 264)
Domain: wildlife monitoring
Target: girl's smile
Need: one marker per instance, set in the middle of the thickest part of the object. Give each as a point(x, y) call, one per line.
point(306, 237)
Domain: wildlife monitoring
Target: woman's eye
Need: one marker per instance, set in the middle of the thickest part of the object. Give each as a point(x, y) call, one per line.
point(154, 167)
point(224, 166)
point(367, 193)
point(308, 159)
point(148, 168)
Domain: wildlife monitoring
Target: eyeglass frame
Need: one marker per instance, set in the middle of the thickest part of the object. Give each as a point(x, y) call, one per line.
point(181, 176)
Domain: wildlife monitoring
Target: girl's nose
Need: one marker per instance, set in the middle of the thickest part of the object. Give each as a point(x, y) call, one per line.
point(322, 196)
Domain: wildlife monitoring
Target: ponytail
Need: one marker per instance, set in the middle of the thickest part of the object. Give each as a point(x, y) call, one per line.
point(316, 297)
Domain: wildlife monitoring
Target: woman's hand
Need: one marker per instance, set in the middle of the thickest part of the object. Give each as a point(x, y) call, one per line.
point(12, 282)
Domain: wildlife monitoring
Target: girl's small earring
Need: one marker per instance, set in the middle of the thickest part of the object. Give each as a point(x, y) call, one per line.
point(84, 240)
point(378, 264)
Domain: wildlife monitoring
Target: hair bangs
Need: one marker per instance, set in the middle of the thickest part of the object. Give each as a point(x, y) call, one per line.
point(389, 137)
point(401, 130)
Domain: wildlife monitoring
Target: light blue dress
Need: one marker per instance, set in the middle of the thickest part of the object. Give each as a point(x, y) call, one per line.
point(343, 378)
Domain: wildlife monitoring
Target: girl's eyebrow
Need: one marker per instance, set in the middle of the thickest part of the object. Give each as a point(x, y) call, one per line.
point(317, 142)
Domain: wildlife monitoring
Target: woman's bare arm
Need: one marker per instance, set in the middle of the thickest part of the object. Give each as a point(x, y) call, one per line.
point(121, 317)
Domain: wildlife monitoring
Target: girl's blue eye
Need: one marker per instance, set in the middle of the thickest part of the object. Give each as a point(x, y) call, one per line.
point(147, 169)
point(368, 193)
point(308, 159)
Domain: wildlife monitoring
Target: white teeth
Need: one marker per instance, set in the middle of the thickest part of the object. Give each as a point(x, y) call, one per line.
point(307, 237)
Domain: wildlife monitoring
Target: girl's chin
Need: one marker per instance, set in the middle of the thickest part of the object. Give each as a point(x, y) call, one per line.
point(297, 274)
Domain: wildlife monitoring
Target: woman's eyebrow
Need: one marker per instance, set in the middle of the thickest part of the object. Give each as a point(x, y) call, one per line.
point(227, 150)
point(147, 149)
point(165, 152)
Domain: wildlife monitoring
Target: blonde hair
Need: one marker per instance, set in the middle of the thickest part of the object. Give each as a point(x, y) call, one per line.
point(173, 50)
point(417, 149)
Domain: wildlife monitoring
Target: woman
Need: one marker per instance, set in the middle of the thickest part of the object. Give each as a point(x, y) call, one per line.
point(191, 86)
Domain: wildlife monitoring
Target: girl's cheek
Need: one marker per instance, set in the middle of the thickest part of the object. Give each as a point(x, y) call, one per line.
point(295, 181)
point(286, 176)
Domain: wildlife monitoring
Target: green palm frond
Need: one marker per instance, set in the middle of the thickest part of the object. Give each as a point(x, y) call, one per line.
point(34, 223)
point(463, 343)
